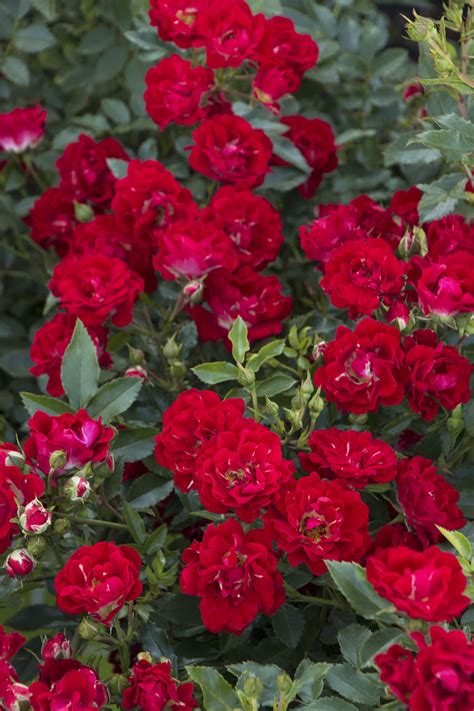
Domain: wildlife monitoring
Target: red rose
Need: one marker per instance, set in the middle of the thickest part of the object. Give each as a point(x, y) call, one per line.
point(99, 580)
point(314, 138)
point(152, 688)
point(16, 489)
point(427, 499)
point(395, 534)
point(67, 684)
point(10, 643)
point(57, 647)
point(84, 172)
point(35, 518)
point(13, 695)
point(397, 670)
point(71, 440)
point(444, 672)
point(360, 276)
point(52, 220)
point(149, 199)
point(350, 456)
point(282, 45)
point(176, 20)
point(254, 297)
point(273, 81)
point(251, 222)
point(241, 470)
point(235, 575)
point(21, 129)
point(363, 369)
point(322, 237)
point(446, 288)
point(438, 374)
point(449, 235)
point(195, 417)
point(426, 585)
point(19, 563)
point(313, 520)
point(50, 343)
point(229, 32)
point(176, 92)
point(227, 148)
point(95, 288)
point(404, 204)
point(192, 249)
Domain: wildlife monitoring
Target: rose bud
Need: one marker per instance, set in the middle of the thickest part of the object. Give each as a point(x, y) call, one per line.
point(19, 563)
point(58, 647)
point(77, 488)
point(58, 459)
point(136, 372)
point(35, 518)
point(14, 459)
point(193, 291)
point(36, 546)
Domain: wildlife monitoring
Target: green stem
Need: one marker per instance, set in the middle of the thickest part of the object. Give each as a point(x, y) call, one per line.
point(99, 522)
point(313, 600)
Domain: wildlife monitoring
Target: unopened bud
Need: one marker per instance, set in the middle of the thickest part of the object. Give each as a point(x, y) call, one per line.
point(171, 349)
point(136, 356)
point(36, 546)
point(307, 387)
point(399, 315)
point(82, 212)
point(284, 683)
point(177, 369)
point(316, 404)
point(246, 377)
point(271, 408)
point(35, 518)
point(61, 526)
point(57, 459)
point(58, 647)
point(146, 656)
point(358, 419)
point(88, 629)
point(193, 292)
point(318, 350)
point(421, 29)
point(455, 423)
point(137, 371)
point(19, 563)
point(253, 687)
point(77, 488)
point(443, 63)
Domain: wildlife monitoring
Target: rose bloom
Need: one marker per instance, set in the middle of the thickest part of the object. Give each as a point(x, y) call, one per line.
point(229, 32)
point(176, 92)
point(235, 575)
point(404, 204)
point(427, 499)
point(96, 288)
point(354, 457)
point(99, 580)
point(363, 369)
point(256, 298)
point(241, 470)
point(194, 418)
point(227, 148)
point(438, 678)
point(438, 374)
point(176, 20)
point(314, 138)
point(191, 249)
point(446, 288)
point(16, 489)
point(67, 684)
point(13, 695)
point(149, 199)
point(10, 643)
point(75, 440)
point(84, 171)
point(21, 129)
point(283, 45)
point(272, 81)
point(427, 585)
point(449, 235)
point(52, 220)
point(251, 222)
point(151, 687)
point(50, 343)
point(10, 455)
point(313, 520)
point(35, 518)
point(395, 534)
point(360, 276)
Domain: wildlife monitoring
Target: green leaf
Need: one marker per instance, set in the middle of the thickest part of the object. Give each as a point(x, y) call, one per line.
point(34, 617)
point(270, 350)
point(217, 692)
point(118, 167)
point(327, 703)
point(351, 640)
point(309, 678)
point(133, 445)
point(288, 624)
point(287, 151)
point(44, 403)
point(275, 384)
point(156, 539)
point(216, 372)
point(266, 673)
point(17, 363)
point(34, 38)
point(16, 71)
point(148, 490)
point(283, 179)
point(353, 684)
point(441, 196)
point(180, 609)
point(115, 397)
point(134, 522)
point(239, 339)
point(351, 580)
point(378, 642)
point(116, 110)
point(458, 541)
point(110, 63)
point(46, 7)
point(80, 367)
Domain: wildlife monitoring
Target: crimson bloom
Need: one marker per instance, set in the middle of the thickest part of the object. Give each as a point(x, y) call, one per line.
point(235, 575)
point(99, 580)
point(66, 683)
point(282, 45)
point(52, 220)
point(446, 288)
point(227, 148)
point(21, 129)
point(151, 687)
point(449, 235)
point(176, 20)
point(313, 520)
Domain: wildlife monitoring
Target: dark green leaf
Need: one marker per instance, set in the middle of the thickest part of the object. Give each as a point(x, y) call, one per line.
point(239, 339)
point(217, 692)
point(133, 445)
point(288, 625)
point(353, 684)
point(275, 384)
point(34, 38)
point(16, 71)
point(216, 372)
point(351, 580)
point(270, 350)
point(351, 640)
point(44, 403)
point(148, 490)
point(115, 397)
point(80, 367)
point(134, 522)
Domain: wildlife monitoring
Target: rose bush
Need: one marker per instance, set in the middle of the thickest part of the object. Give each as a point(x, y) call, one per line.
point(235, 356)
